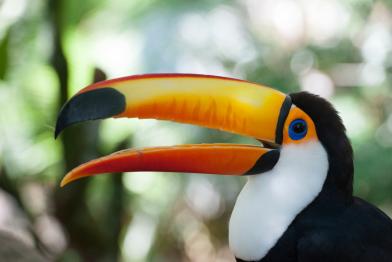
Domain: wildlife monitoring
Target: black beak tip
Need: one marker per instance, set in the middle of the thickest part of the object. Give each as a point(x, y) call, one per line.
point(91, 105)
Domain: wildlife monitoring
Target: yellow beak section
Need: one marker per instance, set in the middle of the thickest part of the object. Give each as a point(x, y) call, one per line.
point(220, 159)
point(216, 102)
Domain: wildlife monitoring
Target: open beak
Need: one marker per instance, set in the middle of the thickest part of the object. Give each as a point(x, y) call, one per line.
point(216, 102)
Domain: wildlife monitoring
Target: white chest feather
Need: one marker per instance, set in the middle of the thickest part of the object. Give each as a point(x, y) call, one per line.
point(270, 201)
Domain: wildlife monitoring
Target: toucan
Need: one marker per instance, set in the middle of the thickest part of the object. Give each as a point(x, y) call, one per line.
point(297, 204)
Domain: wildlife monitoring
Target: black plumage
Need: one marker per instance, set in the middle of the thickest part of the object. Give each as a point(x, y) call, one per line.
point(336, 226)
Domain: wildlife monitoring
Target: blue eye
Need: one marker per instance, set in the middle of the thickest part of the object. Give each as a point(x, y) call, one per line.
point(298, 129)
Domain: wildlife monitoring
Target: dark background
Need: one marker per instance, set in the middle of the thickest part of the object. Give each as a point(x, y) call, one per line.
point(341, 50)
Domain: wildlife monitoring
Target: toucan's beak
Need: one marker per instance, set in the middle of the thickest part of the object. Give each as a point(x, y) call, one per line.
point(216, 102)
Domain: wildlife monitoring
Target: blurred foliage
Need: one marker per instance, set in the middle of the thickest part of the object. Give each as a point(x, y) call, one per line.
point(49, 49)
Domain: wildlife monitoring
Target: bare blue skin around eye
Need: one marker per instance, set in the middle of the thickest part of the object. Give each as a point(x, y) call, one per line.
point(293, 134)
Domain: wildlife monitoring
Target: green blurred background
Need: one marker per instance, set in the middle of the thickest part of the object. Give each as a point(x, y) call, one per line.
point(341, 50)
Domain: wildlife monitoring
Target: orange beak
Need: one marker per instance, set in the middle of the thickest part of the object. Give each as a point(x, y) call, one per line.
point(223, 103)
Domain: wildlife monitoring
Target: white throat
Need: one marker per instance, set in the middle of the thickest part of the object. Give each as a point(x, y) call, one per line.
point(269, 202)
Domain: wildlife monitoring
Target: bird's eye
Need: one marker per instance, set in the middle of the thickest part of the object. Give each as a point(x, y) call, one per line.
point(298, 129)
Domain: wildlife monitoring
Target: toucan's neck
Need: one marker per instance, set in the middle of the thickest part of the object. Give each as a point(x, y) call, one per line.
point(341, 169)
point(330, 201)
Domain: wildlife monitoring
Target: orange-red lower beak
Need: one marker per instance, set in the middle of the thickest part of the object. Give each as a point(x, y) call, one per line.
point(221, 159)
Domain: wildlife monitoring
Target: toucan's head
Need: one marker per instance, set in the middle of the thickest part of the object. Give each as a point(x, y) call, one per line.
point(280, 121)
